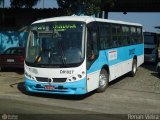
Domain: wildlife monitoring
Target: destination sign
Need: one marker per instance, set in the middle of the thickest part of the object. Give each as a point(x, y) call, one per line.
point(57, 27)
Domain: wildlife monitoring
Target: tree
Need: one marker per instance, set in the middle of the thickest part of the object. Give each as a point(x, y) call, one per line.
point(88, 7)
point(23, 3)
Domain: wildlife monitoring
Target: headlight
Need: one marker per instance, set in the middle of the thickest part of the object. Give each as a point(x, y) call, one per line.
point(74, 78)
point(77, 77)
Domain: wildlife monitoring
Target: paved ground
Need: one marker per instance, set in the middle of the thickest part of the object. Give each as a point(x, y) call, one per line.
point(124, 97)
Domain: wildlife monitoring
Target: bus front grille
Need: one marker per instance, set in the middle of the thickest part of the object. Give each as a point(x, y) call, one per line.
point(56, 80)
point(42, 79)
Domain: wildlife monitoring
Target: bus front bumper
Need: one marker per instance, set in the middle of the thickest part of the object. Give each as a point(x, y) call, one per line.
point(77, 87)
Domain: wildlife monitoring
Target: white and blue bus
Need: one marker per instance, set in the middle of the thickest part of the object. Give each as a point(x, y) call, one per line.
point(79, 54)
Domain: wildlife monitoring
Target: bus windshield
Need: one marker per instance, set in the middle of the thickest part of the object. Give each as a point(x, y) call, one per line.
point(56, 44)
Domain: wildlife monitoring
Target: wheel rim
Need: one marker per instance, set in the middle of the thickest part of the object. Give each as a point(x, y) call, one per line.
point(102, 80)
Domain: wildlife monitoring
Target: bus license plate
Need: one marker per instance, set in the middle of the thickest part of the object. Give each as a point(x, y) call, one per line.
point(48, 87)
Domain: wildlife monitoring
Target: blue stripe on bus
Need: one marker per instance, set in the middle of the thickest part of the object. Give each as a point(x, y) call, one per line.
point(123, 54)
point(77, 87)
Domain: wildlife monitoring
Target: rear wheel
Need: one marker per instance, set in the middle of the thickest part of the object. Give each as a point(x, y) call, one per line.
point(103, 81)
point(158, 70)
point(134, 68)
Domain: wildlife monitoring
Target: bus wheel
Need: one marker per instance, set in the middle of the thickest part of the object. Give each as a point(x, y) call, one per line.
point(103, 81)
point(134, 68)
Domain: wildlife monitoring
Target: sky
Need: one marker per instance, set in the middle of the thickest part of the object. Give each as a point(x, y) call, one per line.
point(47, 4)
point(148, 19)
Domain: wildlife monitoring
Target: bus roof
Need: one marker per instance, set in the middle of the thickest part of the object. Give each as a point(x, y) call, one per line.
point(86, 19)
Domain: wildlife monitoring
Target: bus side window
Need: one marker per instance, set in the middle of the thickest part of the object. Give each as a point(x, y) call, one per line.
point(125, 35)
point(139, 35)
point(116, 36)
point(92, 41)
point(133, 35)
point(104, 35)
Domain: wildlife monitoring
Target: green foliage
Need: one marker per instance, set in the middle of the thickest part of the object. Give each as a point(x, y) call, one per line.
point(23, 3)
point(91, 8)
point(87, 7)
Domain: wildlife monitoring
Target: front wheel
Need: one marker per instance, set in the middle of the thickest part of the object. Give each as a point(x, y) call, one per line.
point(158, 69)
point(134, 68)
point(103, 81)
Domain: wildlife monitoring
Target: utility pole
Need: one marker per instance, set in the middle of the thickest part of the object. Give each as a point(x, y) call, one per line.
point(3, 3)
point(102, 14)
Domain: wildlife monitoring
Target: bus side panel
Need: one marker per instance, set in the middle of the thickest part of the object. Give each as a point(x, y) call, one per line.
point(120, 69)
point(93, 81)
point(117, 61)
point(120, 59)
point(140, 54)
point(94, 71)
point(140, 60)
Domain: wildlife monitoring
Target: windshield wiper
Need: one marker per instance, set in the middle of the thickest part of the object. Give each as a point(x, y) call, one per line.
point(38, 57)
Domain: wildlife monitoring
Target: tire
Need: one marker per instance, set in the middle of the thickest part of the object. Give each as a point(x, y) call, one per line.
point(103, 81)
point(159, 73)
point(134, 68)
point(158, 70)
